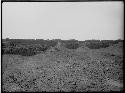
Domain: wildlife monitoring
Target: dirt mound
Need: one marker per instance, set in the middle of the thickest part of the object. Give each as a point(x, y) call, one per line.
point(116, 49)
point(58, 47)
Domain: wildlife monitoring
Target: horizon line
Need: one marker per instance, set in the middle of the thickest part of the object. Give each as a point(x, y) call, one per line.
point(62, 39)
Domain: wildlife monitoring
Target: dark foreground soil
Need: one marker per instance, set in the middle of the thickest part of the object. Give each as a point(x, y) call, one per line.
point(66, 70)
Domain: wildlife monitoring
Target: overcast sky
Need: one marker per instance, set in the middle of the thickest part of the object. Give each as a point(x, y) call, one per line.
point(63, 20)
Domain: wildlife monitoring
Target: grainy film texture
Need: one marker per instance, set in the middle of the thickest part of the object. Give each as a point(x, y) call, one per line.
point(62, 47)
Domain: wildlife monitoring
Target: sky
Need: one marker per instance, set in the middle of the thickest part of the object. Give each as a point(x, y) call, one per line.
point(63, 20)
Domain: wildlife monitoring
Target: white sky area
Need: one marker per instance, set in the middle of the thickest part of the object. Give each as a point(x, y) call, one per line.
point(63, 20)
